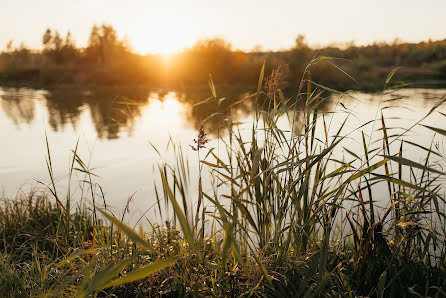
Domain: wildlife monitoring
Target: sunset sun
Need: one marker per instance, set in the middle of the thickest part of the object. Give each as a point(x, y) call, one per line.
point(166, 31)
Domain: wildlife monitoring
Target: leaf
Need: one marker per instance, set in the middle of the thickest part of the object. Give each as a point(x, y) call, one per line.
point(382, 284)
point(246, 213)
point(126, 230)
point(259, 84)
point(265, 273)
point(256, 162)
point(407, 162)
point(400, 182)
point(367, 170)
point(343, 71)
point(211, 164)
point(229, 242)
point(243, 99)
point(390, 75)
point(406, 224)
point(211, 85)
point(102, 278)
point(422, 147)
point(180, 215)
point(437, 130)
point(211, 116)
point(141, 273)
point(201, 102)
point(351, 153)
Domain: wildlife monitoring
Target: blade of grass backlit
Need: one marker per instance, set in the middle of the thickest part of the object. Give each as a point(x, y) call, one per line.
point(180, 215)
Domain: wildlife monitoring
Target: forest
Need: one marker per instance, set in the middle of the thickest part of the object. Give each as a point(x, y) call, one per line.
point(109, 60)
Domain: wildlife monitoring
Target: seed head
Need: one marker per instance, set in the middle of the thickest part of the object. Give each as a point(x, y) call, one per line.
point(201, 141)
point(276, 80)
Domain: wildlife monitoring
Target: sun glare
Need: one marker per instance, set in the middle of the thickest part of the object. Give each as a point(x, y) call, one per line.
point(166, 31)
point(166, 112)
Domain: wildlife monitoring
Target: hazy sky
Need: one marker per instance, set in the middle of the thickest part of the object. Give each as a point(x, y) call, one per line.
point(168, 25)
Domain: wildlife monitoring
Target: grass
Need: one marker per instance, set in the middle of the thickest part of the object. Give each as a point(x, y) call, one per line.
point(284, 212)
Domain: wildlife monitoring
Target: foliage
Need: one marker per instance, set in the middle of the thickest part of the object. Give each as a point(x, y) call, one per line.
point(109, 60)
point(286, 212)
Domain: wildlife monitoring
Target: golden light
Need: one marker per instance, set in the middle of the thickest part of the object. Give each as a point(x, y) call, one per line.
point(166, 112)
point(166, 31)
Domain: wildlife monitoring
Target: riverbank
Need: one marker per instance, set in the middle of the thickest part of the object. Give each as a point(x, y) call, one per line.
point(276, 212)
point(363, 68)
point(44, 251)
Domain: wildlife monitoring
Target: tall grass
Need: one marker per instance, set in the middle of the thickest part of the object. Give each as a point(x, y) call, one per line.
point(287, 211)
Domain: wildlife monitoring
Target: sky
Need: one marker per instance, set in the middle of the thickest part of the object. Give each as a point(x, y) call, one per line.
point(166, 26)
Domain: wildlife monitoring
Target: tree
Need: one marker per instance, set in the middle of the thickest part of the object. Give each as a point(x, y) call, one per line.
point(57, 49)
point(104, 44)
point(69, 51)
point(9, 46)
point(300, 55)
point(46, 40)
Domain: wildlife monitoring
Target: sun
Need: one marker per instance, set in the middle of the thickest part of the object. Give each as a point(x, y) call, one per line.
point(165, 31)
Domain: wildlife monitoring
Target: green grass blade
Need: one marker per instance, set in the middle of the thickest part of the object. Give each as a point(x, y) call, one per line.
point(141, 273)
point(367, 170)
point(436, 129)
point(180, 215)
point(102, 278)
point(126, 230)
point(410, 163)
point(260, 82)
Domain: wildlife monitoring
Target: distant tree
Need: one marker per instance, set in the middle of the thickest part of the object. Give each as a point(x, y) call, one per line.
point(69, 50)
point(57, 49)
point(103, 44)
point(9, 46)
point(300, 55)
point(301, 44)
point(15, 57)
point(207, 56)
point(257, 49)
point(46, 40)
point(23, 54)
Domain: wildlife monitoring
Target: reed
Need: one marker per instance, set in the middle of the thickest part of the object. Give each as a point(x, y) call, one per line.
point(288, 211)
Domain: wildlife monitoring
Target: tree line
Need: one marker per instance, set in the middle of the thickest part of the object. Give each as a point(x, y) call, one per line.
point(108, 60)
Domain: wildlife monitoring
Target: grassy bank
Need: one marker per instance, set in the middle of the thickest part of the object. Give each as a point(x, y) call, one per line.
point(283, 212)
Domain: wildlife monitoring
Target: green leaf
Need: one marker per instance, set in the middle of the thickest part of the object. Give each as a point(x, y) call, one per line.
point(407, 162)
point(367, 170)
point(180, 215)
point(382, 284)
point(256, 162)
point(259, 84)
point(126, 230)
point(141, 273)
point(102, 278)
point(422, 147)
point(229, 242)
point(390, 75)
point(401, 182)
point(265, 273)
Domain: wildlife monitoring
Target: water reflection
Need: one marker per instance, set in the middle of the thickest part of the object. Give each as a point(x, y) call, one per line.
point(116, 124)
point(19, 104)
point(114, 110)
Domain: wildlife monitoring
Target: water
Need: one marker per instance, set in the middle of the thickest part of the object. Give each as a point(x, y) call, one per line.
point(117, 127)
